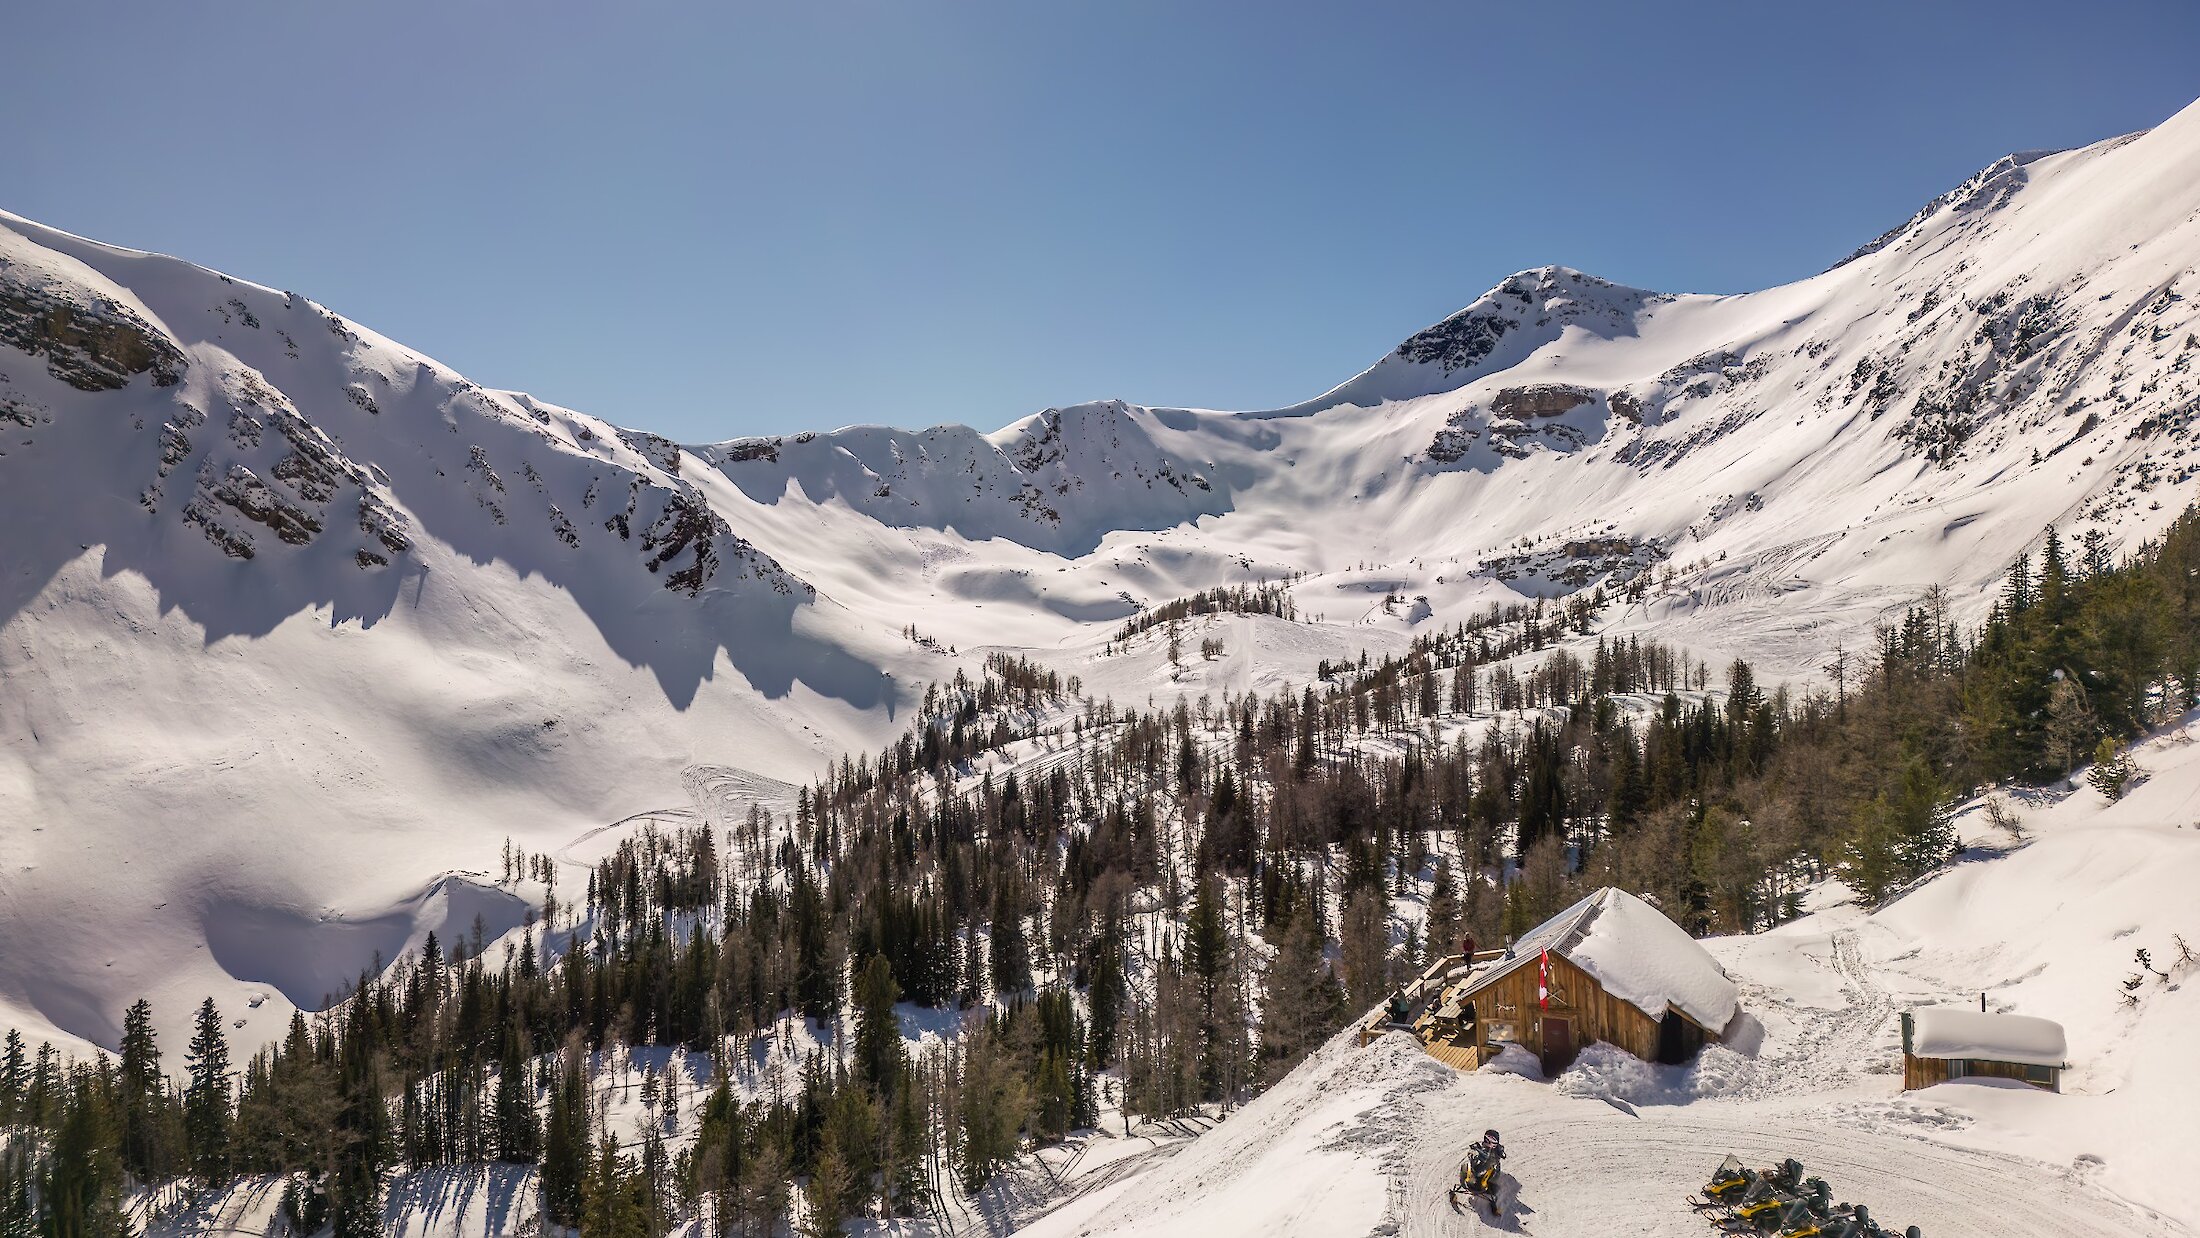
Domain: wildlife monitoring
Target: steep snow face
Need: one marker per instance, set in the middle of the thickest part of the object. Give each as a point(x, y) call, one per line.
point(300, 624)
point(296, 621)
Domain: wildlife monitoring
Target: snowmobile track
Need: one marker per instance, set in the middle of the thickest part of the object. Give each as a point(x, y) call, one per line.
point(1646, 1167)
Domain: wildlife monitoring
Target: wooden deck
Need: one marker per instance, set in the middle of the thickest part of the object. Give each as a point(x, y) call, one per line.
point(1458, 1057)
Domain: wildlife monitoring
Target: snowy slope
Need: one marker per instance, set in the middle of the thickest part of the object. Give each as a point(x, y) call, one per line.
point(296, 624)
point(1365, 1141)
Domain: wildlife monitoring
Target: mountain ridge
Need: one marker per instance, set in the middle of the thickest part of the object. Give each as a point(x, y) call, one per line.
point(273, 570)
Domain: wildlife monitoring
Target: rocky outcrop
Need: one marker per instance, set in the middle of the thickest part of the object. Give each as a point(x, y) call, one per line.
point(1518, 418)
point(1460, 341)
point(1576, 564)
point(743, 450)
point(655, 448)
point(88, 341)
point(1521, 404)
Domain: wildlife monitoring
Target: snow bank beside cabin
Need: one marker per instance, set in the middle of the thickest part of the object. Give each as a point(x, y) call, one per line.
point(1648, 961)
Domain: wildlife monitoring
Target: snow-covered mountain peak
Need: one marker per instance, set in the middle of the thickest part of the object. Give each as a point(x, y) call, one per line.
point(1524, 313)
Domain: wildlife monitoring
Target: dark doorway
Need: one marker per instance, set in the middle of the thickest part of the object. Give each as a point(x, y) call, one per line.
point(1678, 1039)
point(1558, 1045)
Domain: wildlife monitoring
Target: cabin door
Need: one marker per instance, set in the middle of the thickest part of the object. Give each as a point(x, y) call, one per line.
point(1558, 1045)
point(1673, 1039)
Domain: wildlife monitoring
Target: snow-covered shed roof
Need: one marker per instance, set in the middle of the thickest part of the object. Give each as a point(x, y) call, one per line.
point(1634, 953)
point(1954, 1032)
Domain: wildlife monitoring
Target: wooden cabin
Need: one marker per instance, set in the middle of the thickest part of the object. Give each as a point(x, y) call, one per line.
point(1942, 1043)
point(1610, 968)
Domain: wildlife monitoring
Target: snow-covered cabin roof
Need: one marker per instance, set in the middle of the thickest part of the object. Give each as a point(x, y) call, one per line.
point(1954, 1032)
point(1634, 953)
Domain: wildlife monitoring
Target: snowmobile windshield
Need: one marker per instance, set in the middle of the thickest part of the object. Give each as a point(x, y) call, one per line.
point(1761, 1190)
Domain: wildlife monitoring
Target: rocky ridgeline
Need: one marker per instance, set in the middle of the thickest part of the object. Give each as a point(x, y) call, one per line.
point(261, 447)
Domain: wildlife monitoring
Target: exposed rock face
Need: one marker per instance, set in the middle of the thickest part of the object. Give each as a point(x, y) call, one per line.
point(1459, 341)
point(1539, 400)
point(1518, 418)
point(743, 450)
point(88, 341)
point(655, 448)
point(1577, 564)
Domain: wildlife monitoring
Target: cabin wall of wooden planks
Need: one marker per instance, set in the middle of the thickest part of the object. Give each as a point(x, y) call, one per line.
point(1924, 1072)
point(1575, 996)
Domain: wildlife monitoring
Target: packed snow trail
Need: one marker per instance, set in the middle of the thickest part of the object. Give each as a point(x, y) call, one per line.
point(1590, 1168)
point(1830, 1045)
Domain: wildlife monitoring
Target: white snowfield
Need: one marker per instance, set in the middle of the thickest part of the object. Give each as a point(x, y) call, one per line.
point(1368, 1141)
point(1960, 1033)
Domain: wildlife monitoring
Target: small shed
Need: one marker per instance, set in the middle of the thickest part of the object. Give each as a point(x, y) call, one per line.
point(1940, 1043)
point(1610, 968)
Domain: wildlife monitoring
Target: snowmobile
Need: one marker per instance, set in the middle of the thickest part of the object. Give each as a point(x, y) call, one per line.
point(1862, 1225)
point(1763, 1207)
point(1478, 1176)
point(1727, 1182)
point(1732, 1183)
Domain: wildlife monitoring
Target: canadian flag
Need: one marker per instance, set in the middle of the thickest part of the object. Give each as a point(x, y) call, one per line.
point(1543, 981)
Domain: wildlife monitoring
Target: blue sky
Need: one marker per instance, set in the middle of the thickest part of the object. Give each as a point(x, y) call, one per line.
point(723, 219)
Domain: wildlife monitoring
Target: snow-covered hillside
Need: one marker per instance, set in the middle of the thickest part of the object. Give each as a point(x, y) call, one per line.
point(2044, 921)
point(297, 625)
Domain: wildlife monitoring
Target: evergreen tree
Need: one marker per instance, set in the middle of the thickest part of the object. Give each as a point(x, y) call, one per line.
point(878, 1044)
point(613, 1208)
point(565, 1141)
point(145, 1143)
point(2112, 769)
point(519, 1140)
point(907, 1142)
point(1009, 955)
point(1105, 995)
point(81, 1193)
point(206, 1099)
point(15, 1079)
